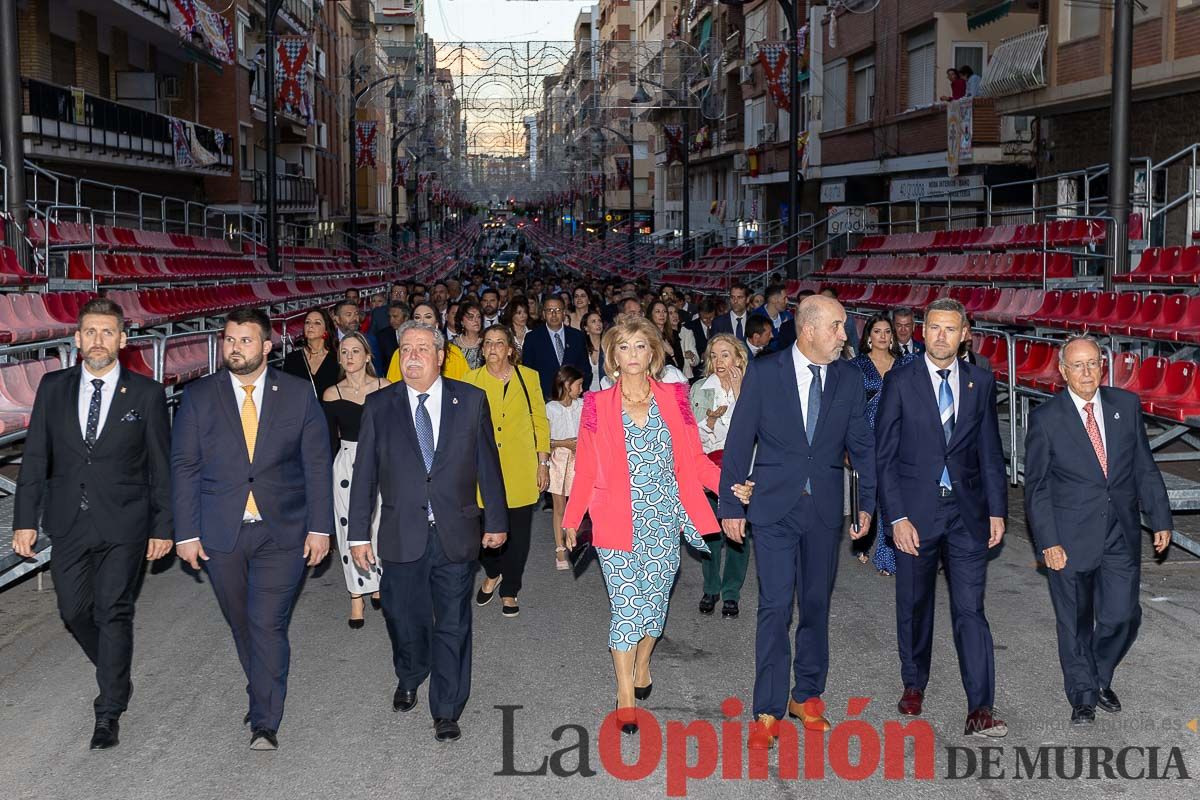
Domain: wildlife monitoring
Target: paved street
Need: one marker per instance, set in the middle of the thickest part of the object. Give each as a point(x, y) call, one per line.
point(182, 737)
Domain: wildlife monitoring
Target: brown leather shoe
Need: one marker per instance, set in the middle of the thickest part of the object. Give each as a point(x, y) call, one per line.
point(763, 733)
point(813, 722)
point(910, 702)
point(981, 722)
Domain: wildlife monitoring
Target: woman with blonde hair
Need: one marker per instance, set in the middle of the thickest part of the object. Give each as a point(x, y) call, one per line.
point(641, 474)
point(713, 401)
point(343, 403)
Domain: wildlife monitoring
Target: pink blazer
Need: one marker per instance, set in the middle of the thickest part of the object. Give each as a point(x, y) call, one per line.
point(601, 484)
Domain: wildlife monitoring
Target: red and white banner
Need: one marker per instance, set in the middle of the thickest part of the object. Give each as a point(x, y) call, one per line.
point(674, 138)
point(201, 26)
point(291, 57)
point(400, 176)
point(774, 60)
point(364, 143)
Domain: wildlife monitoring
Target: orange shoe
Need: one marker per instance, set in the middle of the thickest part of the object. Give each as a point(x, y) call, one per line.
point(813, 722)
point(763, 732)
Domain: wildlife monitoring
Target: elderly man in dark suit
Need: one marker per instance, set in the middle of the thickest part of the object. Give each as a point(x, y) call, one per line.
point(942, 481)
point(253, 503)
point(800, 412)
point(96, 474)
point(424, 446)
point(1088, 469)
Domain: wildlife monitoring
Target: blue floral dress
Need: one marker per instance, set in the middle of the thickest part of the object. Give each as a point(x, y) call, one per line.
point(885, 554)
point(639, 580)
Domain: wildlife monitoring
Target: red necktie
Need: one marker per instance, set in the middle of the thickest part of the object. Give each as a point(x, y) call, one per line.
point(1093, 432)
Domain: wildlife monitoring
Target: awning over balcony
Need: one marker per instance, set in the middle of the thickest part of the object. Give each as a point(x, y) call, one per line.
point(989, 15)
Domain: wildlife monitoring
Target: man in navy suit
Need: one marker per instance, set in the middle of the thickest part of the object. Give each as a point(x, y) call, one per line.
point(555, 344)
point(734, 321)
point(803, 409)
point(783, 332)
point(942, 483)
point(1088, 468)
point(903, 325)
point(424, 446)
point(253, 496)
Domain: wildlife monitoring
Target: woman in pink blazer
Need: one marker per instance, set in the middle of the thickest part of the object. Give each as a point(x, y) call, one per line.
point(641, 473)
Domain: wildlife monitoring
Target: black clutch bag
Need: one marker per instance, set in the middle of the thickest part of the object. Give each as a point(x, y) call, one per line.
point(578, 556)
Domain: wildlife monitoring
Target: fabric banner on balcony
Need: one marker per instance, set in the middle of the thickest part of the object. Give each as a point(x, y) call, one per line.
point(623, 176)
point(291, 57)
point(400, 174)
point(674, 137)
point(189, 152)
point(774, 59)
point(364, 143)
point(203, 27)
point(183, 150)
point(960, 125)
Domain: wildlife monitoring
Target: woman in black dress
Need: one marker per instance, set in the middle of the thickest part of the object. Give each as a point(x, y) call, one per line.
point(315, 361)
point(343, 404)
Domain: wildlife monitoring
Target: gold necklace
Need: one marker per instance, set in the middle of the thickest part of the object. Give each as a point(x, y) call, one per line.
point(631, 401)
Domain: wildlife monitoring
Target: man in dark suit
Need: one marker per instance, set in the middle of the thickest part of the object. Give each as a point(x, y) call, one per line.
point(348, 318)
point(701, 325)
point(424, 446)
point(904, 325)
point(554, 344)
point(388, 338)
point(759, 334)
point(804, 410)
point(253, 501)
point(739, 312)
point(1088, 469)
point(783, 332)
point(96, 471)
point(942, 482)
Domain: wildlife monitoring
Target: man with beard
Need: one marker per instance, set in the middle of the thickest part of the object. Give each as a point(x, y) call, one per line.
point(96, 471)
point(489, 302)
point(253, 502)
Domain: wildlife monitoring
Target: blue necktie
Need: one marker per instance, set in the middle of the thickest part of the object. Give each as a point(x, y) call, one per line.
point(814, 412)
point(946, 409)
point(425, 432)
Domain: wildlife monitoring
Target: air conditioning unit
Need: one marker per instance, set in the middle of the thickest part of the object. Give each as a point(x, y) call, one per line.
point(746, 74)
point(168, 88)
point(741, 163)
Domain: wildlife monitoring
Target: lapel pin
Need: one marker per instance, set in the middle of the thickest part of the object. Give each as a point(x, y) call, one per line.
point(970, 384)
point(274, 388)
point(1116, 415)
point(454, 401)
point(122, 390)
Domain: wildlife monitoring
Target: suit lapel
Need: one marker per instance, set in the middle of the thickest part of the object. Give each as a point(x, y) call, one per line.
point(1073, 423)
point(927, 395)
point(269, 410)
point(231, 404)
point(827, 395)
point(449, 420)
point(1110, 425)
point(72, 410)
point(788, 368)
point(404, 412)
point(966, 402)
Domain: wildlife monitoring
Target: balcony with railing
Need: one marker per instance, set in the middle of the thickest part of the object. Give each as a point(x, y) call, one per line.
point(298, 14)
point(294, 194)
point(70, 124)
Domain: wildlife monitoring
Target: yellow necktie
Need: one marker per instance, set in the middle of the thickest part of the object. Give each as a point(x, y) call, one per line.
point(250, 432)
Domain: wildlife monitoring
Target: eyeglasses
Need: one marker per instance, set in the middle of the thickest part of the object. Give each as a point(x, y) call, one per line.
point(1080, 366)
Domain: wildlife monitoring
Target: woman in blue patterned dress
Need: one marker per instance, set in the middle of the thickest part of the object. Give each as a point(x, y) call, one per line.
point(879, 354)
point(640, 473)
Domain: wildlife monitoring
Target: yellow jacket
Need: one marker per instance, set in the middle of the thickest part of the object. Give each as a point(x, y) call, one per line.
point(522, 430)
point(454, 367)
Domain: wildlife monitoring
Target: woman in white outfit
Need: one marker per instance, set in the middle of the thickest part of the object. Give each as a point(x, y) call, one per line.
point(343, 404)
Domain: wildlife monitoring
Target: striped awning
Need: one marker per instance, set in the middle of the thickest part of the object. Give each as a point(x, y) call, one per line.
point(988, 16)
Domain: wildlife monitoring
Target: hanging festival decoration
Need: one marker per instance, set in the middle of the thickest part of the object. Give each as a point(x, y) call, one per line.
point(400, 176)
point(364, 143)
point(774, 60)
point(291, 57)
point(203, 27)
point(675, 145)
point(623, 172)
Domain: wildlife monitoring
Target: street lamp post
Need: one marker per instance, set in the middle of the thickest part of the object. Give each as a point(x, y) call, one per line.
point(273, 9)
point(598, 138)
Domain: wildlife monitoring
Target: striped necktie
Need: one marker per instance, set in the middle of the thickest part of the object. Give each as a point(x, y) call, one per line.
point(946, 409)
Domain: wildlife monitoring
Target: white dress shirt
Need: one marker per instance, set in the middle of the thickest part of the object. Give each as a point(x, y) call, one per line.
point(804, 378)
point(952, 378)
point(907, 348)
point(556, 338)
point(733, 322)
point(106, 396)
point(1097, 410)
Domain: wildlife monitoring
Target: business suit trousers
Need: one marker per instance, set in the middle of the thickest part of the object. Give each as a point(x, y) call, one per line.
point(427, 605)
point(965, 556)
point(796, 556)
point(725, 581)
point(1098, 617)
point(509, 559)
point(256, 586)
point(96, 582)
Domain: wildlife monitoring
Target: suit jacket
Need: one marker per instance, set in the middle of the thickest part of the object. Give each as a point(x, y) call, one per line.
point(783, 337)
point(912, 449)
point(291, 476)
point(601, 485)
point(386, 339)
point(697, 330)
point(126, 474)
point(1068, 500)
point(768, 416)
point(389, 463)
point(918, 347)
point(723, 323)
point(538, 354)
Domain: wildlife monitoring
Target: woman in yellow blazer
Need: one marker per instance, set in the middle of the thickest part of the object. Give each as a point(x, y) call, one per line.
point(518, 411)
point(455, 365)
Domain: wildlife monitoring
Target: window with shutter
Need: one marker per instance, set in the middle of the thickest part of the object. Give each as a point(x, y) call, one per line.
point(864, 87)
point(922, 63)
point(833, 102)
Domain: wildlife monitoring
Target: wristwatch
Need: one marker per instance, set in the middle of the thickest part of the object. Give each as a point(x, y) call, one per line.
point(545, 463)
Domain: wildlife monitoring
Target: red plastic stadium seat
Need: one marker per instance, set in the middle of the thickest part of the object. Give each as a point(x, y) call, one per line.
point(1177, 397)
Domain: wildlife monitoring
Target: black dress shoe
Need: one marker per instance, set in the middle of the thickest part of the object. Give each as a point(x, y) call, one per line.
point(104, 735)
point(263, 739)
point(1108, 701)
point(643, 692)
point(246, 719)
point(376, 603)
point(482, 598)
point(404, 699)
point(446, 730)
point(355, 624)
point(707, 603)
point(729, 609)
point(1083, 715)
point(628, 719)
